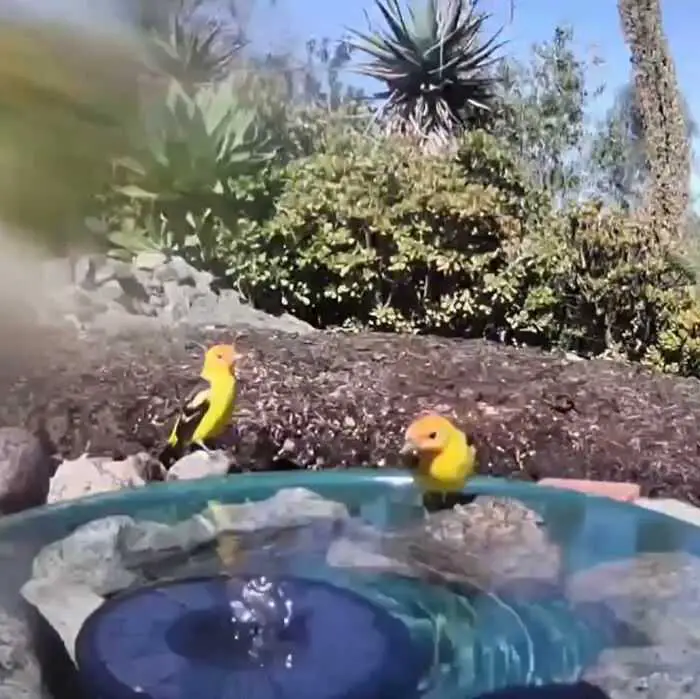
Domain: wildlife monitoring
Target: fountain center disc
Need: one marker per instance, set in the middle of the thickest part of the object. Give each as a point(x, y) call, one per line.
point(177, 639)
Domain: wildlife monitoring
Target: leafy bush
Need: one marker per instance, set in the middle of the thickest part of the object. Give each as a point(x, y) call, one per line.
point(367, 234)
point(596, 281)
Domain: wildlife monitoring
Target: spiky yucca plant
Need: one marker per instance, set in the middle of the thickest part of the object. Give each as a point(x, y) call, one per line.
point(435, 64)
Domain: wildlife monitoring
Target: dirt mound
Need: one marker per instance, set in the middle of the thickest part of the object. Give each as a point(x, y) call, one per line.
point(327, 400)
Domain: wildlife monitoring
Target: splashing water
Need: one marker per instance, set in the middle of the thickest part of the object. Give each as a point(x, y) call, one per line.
point(260, 612)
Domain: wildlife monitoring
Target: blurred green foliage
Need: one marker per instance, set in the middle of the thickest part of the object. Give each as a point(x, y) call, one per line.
point(68, 102)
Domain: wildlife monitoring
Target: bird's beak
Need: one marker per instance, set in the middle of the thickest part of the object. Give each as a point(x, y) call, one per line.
point(408, 448)
point(409, 454)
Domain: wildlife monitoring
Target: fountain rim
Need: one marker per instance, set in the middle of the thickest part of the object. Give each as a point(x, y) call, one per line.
point(85, 509)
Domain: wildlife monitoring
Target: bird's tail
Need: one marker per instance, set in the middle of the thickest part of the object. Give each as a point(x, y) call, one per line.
point(170, 454)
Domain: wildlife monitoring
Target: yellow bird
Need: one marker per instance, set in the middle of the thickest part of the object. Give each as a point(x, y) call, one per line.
point(208, 409)
point(441, 457)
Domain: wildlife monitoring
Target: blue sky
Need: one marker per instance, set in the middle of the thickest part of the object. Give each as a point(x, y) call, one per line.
point(595, 22)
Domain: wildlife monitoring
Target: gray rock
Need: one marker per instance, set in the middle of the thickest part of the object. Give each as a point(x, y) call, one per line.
point(177, 270)
point(216, 310)
point(104, 272)
point(20, 673)
point(150, 260)
point(203, 281)
point(647, 673)
point(200, 464)
point(227, 309)
point(83, 271)
point(112, 297)
point(57, 273)
point(26, 468)
point(291, 507)
point(133, 288)
point(67, 612)
point(657, 596)
point(110, 291)
point(92, 556)
point(148, 281)
point(88, 476)
point(490, 542)
point(117, 321)
point(366, 548)
point(177, 301)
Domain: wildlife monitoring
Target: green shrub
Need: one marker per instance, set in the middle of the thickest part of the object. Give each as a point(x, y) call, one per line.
point(367, 234)
point(596, 281)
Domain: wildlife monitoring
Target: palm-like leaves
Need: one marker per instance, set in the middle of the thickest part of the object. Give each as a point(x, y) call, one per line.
point(435, 65)
point(192, 46)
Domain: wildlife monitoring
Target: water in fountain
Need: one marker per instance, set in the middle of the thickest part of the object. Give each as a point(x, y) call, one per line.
point(353, 604)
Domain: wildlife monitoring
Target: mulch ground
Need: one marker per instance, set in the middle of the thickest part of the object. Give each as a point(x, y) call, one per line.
point(331, 400)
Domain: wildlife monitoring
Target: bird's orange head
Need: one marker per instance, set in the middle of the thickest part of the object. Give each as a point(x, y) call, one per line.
point(427, 435)
point(220, 358)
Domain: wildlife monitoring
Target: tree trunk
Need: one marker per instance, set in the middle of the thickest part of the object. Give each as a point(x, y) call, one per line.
point(662, 115)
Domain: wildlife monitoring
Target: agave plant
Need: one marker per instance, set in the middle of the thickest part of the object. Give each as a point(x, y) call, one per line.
point(191, 45)
point(197, 149)
point(435, 64)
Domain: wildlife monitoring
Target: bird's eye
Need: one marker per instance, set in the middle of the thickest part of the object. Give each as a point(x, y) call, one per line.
point(432, 435)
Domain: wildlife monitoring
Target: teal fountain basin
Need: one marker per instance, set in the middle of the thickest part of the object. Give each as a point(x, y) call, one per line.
point(351, 593)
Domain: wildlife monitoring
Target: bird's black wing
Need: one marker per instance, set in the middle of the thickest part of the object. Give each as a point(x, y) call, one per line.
point(193, 409)
point(189, 416)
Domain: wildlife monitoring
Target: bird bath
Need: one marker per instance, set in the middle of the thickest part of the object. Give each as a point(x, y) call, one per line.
point(357, 602)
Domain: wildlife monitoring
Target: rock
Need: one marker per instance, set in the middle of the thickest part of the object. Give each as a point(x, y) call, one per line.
point(57, 273)
point(177, 301)
point(104, 294)
point(647, 673)
point(179, 270)
point(88, 476)
point(491, 542)
point(200, 464)
point(132, 286)
point(20, 673)
point(502, 533)
point(150, 260)
point(218, 310)
point(26, 467)
point(656, 596)
point(116, 321)
point(226, 309)
point(291, 507)
point(104, 272)
point(110, 291)
point(203, 281)
point(91, 556)
point(365, 548)
point(71, 577)
point(83, 271)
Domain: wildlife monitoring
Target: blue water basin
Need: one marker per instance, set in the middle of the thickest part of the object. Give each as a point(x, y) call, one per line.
point(420, 637)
